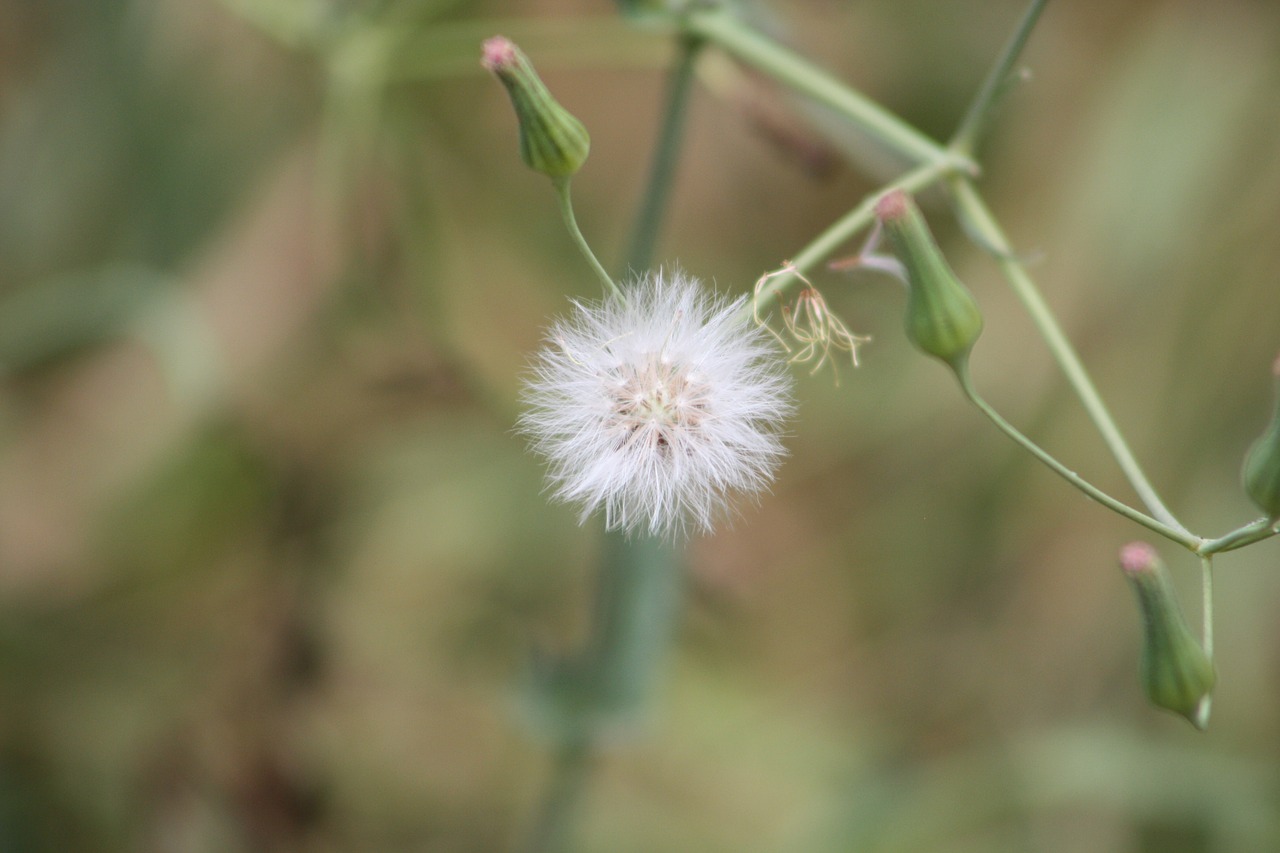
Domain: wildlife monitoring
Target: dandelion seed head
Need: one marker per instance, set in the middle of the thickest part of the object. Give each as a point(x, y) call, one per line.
point(657, 407)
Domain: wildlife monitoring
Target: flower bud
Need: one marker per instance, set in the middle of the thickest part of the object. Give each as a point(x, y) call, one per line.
point(552, 141)
point(1261, 474)
point(1176, 673)
point(942, 318)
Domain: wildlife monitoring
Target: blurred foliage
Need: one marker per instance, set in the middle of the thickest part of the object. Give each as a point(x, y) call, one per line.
point(272, 560)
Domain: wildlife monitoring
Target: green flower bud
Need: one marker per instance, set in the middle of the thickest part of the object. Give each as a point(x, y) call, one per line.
point(552, 141)
point(942, 318)
point(1176, 673)
point(1261, 474)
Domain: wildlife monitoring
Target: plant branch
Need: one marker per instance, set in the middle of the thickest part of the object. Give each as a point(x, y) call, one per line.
point(1254, 531)
point(1182, 537)
point(727, 32)
point(975, 211)
point(844, 229)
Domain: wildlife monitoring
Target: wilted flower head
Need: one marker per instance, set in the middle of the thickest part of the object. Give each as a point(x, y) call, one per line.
point(658, 405)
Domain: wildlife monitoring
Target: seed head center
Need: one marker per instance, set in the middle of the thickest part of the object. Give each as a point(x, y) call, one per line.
point(658, 392)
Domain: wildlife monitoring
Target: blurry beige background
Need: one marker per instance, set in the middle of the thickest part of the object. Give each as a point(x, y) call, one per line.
point(272, 558)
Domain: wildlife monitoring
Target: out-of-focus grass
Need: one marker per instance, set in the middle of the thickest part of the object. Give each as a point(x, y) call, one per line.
point(272, 559)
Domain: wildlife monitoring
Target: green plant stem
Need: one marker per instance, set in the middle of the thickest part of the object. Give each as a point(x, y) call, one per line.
point(566, 210)
point(564, 796)
point(974, 210)
point(644, 235)
point(1206, 598)
point(637, 602)
point(1206, 581)
point(843, 230)
point(977, 117)
point(1255, 531)
point(634, 613)
point(637, 596)
point(1180, 536)
point(728, 33)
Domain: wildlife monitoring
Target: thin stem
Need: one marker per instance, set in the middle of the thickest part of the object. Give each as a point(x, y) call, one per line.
point(972, 207)
point(1205, 707)
point(845, 228)
point(978, 115)
point(658, 189)
point(1206, 581)
point(568, 784)
point(727, 32)
point(1254, 531)
point(566, 210)
point(1180, 536)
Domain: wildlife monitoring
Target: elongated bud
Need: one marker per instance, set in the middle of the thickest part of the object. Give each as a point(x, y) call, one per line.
point(942, 318)
point(552, 141)
point(1261, 474)
point(1176, 673)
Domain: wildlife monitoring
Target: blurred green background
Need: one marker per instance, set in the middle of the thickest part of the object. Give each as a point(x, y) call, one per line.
point(272, 559)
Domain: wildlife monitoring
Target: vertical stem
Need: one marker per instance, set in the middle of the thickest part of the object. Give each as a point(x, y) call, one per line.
point(634, 614)
point(638, 587)
point(644, 235)
point(637, 601)
point(568, 781)
point(975, 211)
point(1206, 581)
point(976, 117)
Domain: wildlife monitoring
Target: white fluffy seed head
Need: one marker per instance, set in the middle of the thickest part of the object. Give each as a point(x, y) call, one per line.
point(657, 406)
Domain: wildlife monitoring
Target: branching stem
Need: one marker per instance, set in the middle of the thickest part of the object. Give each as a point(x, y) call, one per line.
point(844, 229)
point(974, 210)
point(1182, 537)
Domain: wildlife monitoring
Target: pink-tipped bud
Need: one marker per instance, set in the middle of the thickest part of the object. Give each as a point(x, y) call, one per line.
point(1137, 557)
point(1176, 673)
point(892, 206)
point(498, 54)
point(552, 141)
point(942, 317)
